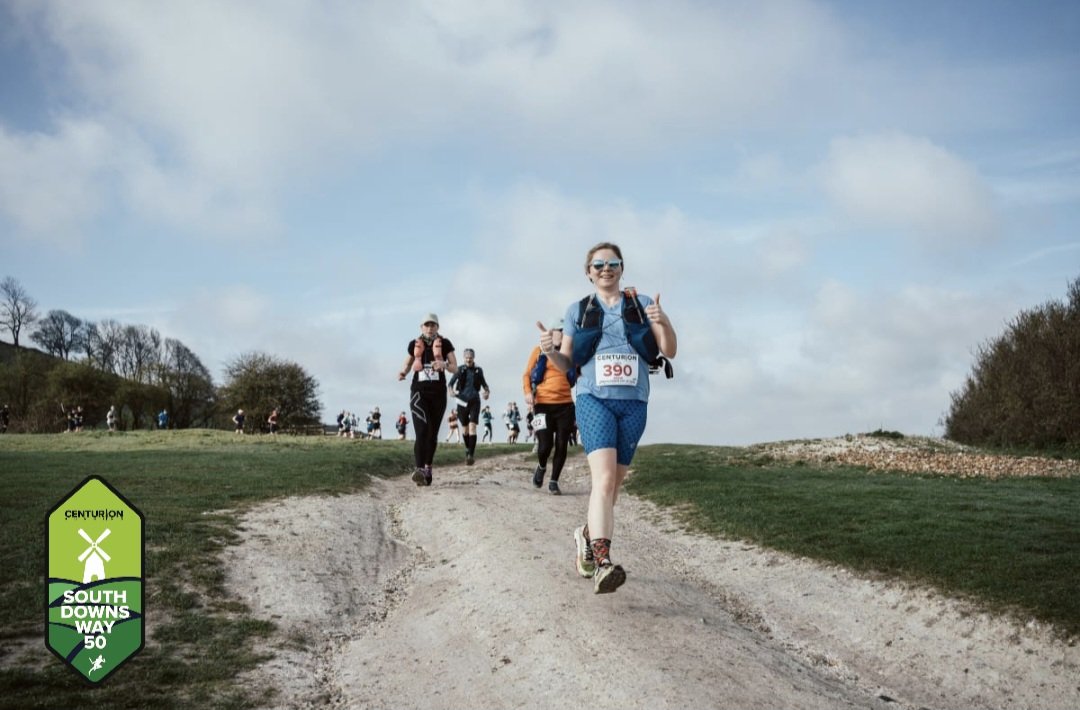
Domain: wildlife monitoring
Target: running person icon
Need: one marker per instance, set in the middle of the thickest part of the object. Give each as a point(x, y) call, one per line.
point(612, 395)
point(430, 356)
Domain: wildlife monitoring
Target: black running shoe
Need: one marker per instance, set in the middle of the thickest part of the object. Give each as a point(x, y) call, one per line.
point(538, 476)
point(553, 487)
point(418, 477)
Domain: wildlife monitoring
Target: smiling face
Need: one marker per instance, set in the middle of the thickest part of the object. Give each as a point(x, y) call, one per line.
point(604, 266)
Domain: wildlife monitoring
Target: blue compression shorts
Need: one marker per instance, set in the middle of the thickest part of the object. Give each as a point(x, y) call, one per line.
point(611, 424)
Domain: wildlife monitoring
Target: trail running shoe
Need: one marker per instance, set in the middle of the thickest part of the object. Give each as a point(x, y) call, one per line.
point(418, 477)
point(427, 475)
point(553, 487)
point(608, 578)
point(538, 476)
point(586, 564)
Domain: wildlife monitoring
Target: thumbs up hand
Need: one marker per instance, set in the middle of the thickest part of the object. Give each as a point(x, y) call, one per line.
point(546, 344)
point(655, 313)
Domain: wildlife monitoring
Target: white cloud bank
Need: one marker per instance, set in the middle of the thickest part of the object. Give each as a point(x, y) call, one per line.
point(907, 182)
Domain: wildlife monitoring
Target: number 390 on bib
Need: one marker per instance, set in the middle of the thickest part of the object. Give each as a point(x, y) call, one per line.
point(616, 369)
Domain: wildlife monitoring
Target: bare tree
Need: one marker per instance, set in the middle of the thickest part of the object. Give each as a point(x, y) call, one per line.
point(139, 353)
point(103, 341)
point(59, 333)
point(17, 309)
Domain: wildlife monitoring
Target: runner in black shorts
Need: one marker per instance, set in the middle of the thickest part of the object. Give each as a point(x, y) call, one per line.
point(465, 386)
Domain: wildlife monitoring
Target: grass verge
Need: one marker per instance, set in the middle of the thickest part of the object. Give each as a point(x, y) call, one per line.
point(190, 486)
point(1012, 544)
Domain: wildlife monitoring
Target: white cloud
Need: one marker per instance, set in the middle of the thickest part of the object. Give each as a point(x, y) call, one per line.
point(217, 104)
point(50, 184)
point(905, 182)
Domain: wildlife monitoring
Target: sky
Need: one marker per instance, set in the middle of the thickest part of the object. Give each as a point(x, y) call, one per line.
point(838, 202)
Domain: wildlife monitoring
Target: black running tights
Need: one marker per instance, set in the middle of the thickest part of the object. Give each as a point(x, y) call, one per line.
point(555, 435)
point(428, 407)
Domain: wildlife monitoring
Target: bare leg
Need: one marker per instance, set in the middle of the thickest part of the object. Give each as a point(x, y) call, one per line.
point(607, 477)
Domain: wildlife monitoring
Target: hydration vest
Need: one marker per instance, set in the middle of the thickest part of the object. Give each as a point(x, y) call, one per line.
point(590, 323)
point(418, 351)
point(536, 375)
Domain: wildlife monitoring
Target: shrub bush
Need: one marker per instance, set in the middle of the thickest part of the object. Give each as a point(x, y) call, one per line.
point(1024, 389)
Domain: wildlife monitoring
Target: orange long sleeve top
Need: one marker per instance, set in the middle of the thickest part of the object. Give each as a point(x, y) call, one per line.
point(553, 389)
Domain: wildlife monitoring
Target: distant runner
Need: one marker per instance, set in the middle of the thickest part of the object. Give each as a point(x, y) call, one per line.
point(429, 357)
point(547, 392)
point(466, 386)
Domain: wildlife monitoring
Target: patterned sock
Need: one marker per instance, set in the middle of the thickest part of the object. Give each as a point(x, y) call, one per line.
point(601, 550)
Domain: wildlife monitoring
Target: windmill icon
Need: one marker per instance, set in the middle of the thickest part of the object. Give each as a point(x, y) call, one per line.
point(94, 557)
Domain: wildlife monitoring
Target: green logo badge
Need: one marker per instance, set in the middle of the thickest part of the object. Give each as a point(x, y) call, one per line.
point(94, 595)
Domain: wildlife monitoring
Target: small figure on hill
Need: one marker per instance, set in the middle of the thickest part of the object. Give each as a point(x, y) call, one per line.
point(272, 420)
point(69, 419)
point(112, 417)
point(163, 419)
point(375, 424)
point(238, 420)
point(512, 418)
point(454, 434)
point(486, 417)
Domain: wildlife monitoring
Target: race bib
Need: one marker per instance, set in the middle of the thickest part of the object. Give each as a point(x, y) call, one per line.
point(616, 369)
point(539, 422)
point(427, 375)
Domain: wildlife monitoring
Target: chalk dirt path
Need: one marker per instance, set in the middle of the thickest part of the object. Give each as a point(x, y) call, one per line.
point(464, 594)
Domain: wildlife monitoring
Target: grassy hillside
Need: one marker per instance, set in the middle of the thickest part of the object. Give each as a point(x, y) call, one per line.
point(1011, 544)
point(189, 485)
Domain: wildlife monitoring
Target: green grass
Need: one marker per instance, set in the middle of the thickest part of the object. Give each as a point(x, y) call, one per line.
point(1010, 544)
point(190, 486)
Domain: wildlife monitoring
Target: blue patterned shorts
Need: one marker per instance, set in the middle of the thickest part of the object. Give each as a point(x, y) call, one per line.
point(611, 424)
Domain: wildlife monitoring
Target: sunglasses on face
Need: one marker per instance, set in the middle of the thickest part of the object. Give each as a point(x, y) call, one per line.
point(599, 264)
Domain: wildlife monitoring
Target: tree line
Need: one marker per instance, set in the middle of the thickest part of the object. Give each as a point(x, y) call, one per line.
point(96, 365)
point(1024, 389)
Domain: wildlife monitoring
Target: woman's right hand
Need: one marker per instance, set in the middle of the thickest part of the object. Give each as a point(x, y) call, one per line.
point(546, 344)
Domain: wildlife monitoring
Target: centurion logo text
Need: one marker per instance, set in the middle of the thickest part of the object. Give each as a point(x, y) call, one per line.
point(94, 594)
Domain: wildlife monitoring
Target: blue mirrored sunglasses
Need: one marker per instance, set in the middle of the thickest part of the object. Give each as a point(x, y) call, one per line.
point(599, 264)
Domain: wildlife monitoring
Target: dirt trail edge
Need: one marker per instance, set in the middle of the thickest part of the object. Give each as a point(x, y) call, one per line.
point(464, 594)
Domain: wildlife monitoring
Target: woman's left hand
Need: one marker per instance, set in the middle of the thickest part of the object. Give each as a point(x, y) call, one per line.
point(655, 313)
